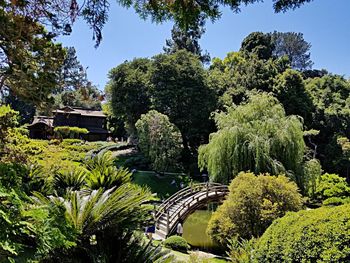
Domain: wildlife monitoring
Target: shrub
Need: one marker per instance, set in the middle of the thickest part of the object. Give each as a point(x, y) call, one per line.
point(69, 132)
point(72, 180)
point(332, 189)
point(159, 140)
point(176, 243)
point(101, 173)
point(312, 172)
point(251, 206)
point(319, 235)
point(11, 175)
point(67, 142)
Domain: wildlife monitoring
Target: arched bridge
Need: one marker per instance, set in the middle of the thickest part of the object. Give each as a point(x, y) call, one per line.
point(185, 202)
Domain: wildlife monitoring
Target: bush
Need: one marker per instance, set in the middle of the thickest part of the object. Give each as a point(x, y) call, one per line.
point(159, 140)
point(11, 175)
point(251, 206)
point(69, 132)
point(332, 189)
point(176, 243)
point(67, 142)
point(320, 235)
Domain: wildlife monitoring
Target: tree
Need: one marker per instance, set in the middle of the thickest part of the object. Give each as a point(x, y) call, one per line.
point(60, 16)
point(252, 204)
point(312, 175)
point(159, 140)
point(74, 89)
point(73, 75)
point(256, 136)
point(318, 235)
point(88, 97)
point(330, 96)
point(128, 91)
point(26, 109)
point(259, 44)
point(180, 91)
point(29, 59)
point(188, 13)
point(290, 90)
point(295, 47)
point(187, 40)
point(240, 72)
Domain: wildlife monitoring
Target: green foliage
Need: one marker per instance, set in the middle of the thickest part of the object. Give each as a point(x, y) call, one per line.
point(55, 156)
point(128, 90)
point(69, 132)
point(187, 39)
point(103, 219)
point(15, 146)
point(255, 136)
point(187, 14)
point(319, 235)
point(159, 140)
point(30, 60)
point(332, 189)
point(8, 119)
point(69, 181)
point(241, 251)
point(253, 203)
point(312, 176)
point(101, 173)
point(30, 230)
point(290, 91)
point(259, 44)
point(239, 73)
point(176, 243)
point(179, 90)
point(294, 46)
point(11, 175)
point(330, 95)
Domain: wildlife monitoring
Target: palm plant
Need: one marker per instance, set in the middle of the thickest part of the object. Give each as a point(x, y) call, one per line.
point(69, 180)
point(103, 174)
point(108, 216)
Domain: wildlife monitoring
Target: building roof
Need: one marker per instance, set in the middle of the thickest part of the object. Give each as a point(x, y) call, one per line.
point(80, 111)
point(42, 119)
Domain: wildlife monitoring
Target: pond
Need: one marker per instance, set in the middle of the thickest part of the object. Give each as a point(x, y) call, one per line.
point(195, 230)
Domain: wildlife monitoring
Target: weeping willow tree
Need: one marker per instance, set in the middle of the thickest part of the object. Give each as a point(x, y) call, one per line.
point(255, 136)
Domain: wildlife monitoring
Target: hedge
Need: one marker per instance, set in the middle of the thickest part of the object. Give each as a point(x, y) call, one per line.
point(69, 132)
point(320, 235)
point(176, 243)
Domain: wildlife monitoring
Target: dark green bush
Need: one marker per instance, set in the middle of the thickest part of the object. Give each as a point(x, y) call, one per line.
point(320, 235)
point(12, 174)
point(176, 243)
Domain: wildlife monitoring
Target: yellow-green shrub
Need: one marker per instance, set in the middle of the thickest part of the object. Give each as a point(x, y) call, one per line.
point(251, 206)
point(69, 132)
point(320, 235)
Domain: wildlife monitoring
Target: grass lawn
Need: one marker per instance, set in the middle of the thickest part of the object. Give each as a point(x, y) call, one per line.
point(160, 184)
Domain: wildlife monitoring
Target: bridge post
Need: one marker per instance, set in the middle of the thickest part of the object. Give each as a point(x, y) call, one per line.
point(167, 221)
point(207, 189)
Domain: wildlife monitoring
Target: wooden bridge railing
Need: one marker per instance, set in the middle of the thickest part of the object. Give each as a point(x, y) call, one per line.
point(189, 197)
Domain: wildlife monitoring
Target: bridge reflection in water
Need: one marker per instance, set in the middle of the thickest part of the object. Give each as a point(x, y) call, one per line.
point(183, 203)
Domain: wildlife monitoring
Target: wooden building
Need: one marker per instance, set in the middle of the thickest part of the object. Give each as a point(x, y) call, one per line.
point(94, 121)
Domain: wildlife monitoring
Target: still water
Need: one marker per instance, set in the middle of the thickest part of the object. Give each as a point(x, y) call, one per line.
point(195, 230)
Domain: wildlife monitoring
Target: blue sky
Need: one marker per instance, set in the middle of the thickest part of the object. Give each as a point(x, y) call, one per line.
point(324, 23)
